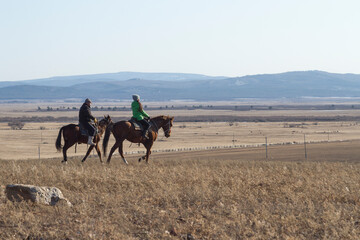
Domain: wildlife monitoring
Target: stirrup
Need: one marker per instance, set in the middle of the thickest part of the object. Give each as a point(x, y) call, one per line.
point(146, 135)
point(90, 141)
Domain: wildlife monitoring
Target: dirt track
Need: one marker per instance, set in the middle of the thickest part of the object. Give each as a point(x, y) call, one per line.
point(348, 151)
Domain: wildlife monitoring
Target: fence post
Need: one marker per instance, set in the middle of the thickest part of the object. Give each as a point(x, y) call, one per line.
point(305, 147)
point(266, 149)
point(39, 148)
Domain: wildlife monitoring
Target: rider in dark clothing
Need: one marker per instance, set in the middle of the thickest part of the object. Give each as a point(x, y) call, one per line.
point(85, 118)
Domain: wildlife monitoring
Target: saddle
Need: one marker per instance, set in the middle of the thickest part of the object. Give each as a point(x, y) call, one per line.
point(137, 125)
point(84, 131)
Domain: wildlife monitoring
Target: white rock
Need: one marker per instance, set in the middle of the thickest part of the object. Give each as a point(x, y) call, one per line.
point(44, 195)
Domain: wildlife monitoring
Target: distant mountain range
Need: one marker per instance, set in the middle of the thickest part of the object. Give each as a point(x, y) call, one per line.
point(180, 86)
point(108, 77)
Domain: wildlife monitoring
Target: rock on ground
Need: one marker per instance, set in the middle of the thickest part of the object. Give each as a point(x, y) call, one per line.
point(44, 195)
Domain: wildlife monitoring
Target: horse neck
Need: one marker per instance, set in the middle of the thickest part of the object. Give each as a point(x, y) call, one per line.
point(101, 130)
point(159, 121)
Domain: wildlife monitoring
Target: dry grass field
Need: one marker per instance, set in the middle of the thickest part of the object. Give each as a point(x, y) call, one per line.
point(26, 143)
point(204, 194)
point(219, 194)
point(32, 142)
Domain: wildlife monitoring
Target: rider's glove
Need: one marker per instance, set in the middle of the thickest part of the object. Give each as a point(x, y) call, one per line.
point(95, 120)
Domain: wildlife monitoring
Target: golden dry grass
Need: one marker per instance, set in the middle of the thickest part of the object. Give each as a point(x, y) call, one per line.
point(225, 194)
point(25, 144)
point(219, 194)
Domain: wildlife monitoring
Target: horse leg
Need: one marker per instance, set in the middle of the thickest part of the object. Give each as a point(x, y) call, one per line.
point(148, 146)
point(98, 152)
point(122, 153)
point(148, 152)
point(116, 145)
point(67, 145)
point(146, 156)
point(88, 152)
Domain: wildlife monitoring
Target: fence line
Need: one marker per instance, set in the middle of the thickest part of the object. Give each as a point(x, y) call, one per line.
point(188, 149)
point(266, 144)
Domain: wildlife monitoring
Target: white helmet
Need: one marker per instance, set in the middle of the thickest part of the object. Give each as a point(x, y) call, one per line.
point(136, 97)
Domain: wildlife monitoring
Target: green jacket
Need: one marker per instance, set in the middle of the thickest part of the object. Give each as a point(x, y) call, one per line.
point(139, 115)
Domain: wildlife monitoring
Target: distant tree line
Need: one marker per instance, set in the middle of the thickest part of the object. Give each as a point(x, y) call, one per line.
point(202, 118)
point(212, 107)
point(96, 108)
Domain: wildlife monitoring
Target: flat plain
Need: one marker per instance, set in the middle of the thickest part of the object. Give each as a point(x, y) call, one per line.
point(189, 191)
point(37, 139)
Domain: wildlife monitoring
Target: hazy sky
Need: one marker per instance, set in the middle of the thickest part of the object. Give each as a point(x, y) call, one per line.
point(42, 38)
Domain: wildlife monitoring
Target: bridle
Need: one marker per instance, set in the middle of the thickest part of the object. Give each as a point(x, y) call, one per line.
point(168, 124)
point(105, 121)
point(157, 128)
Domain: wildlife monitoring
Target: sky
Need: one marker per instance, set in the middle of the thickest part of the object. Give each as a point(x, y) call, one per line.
point(42, 38)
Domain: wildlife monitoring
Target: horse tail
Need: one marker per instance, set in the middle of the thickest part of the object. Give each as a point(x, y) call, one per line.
point(58, 140)
point(108, 130)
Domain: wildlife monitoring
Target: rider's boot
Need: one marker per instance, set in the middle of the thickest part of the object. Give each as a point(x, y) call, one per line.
point(90, 142)
point(145, 134)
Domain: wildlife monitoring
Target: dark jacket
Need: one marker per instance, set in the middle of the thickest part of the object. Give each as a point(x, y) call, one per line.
point(85, 114)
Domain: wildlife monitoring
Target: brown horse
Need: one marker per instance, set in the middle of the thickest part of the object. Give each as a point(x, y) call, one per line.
point(125, 130)
point(72, 135)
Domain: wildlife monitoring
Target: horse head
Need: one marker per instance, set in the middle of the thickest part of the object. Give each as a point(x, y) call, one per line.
point(108, 120)
point(167, 124)
point(103, 123)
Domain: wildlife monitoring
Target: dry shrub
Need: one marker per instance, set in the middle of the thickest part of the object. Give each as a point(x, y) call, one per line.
point(169, 199)
point(16, 125)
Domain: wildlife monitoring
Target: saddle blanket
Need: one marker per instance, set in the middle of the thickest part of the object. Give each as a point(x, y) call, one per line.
point(138, 125)
point(84, 131)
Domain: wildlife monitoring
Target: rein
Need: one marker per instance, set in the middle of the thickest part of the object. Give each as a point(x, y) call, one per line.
point(100, 128)
point(154, 123)
point(157, 128)
point(168, 130)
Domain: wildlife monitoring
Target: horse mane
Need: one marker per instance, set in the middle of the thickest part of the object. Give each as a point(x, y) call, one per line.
point(161, 117)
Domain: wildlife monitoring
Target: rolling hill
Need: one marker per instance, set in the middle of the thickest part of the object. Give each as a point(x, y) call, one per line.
point(177, 86)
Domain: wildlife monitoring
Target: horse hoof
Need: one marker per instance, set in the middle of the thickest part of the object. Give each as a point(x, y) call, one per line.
point(125, 161)
point(64, 161)
point(139, 160)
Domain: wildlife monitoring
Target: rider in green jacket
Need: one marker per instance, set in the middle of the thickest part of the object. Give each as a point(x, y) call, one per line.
point(139, 114)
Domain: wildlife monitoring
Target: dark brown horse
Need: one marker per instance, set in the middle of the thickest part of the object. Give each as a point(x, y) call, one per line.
point(72, 135)
point(125, 130)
